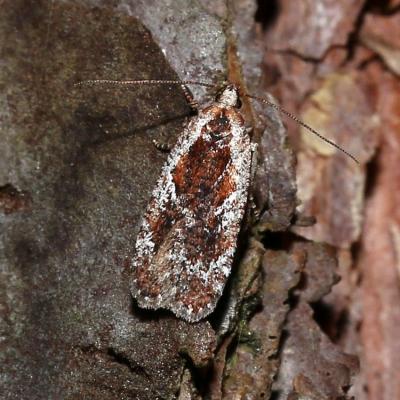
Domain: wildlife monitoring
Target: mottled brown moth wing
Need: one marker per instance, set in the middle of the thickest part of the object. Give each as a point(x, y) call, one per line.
point(188, 237)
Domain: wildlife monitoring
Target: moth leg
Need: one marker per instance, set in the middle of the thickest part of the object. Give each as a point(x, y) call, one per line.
point(190, 99)
point(165, 147)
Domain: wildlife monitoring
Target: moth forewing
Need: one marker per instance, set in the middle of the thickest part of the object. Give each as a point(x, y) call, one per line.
point(188, 237)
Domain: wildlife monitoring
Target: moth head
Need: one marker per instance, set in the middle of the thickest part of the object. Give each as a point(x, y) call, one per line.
point(229, 96)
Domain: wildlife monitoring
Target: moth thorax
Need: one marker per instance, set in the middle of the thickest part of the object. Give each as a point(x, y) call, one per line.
point(229, 96)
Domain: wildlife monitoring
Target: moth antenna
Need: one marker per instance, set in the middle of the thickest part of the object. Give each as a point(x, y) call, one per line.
point(303, 124)
point(142, 82)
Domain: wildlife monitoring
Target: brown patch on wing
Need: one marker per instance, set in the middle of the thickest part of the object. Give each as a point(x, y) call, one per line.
point(219, 125)
point(199, 295)
point(146, 281)
point(234, 115)
point(197, 173)
point(225, 187)
point(161, 224)
point(149, 272)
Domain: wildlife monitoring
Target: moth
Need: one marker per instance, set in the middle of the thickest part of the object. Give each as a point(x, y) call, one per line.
point(187, 240)
point(188, 236)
